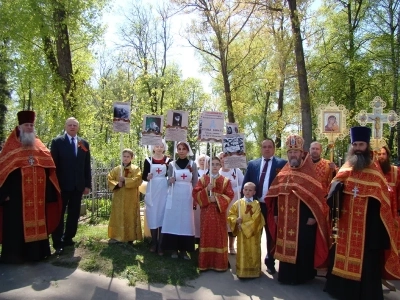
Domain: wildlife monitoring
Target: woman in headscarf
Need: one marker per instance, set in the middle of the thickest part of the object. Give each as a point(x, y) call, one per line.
point(178, 224)
point(155, 172)
point(203, 163)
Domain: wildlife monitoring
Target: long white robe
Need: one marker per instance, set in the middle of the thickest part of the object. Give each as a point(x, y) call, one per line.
point(156, 195)
point(178, 217)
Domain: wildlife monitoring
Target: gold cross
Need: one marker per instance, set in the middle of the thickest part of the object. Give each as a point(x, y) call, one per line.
point(40, 180)
point(358, 213)
point(29, 180)
point(291, 232)
point(342, 231)
point(357, 234)
point(282, 208)
point(292, 209)
point(287, 182)
point(40, 201)
point(29, 203)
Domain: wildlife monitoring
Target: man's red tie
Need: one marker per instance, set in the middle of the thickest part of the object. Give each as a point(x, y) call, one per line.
point(262, 178)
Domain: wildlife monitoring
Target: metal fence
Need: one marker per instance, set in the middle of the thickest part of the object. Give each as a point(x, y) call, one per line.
point(98, 201)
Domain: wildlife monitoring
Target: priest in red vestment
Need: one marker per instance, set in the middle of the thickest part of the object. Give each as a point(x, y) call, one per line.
point(213, 193)
point(324, 168)
point(30, 199)
point(365, 226)
point(297, 217)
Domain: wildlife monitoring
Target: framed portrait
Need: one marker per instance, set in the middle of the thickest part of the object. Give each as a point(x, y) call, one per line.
point(152, 128)
point(332, 121)
point(121, 117)
point(152, 124)
point(177, 119)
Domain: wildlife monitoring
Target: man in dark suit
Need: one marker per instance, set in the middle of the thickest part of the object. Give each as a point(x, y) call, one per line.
point(262, 172)
point(71, 156)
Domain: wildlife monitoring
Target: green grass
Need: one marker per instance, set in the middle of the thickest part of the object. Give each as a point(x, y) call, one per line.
point(93, 253)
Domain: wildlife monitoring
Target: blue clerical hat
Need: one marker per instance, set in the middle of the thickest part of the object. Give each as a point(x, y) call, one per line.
point(360, 134)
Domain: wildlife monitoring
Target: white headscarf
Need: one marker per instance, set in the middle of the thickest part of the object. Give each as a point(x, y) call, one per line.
point(206, 157)
point(190, 153)
point(151, 148)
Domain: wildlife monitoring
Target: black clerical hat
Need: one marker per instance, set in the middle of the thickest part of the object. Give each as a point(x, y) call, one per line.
point(360, 134)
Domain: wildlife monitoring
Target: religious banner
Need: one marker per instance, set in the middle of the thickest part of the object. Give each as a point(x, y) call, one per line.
point(121, 117)
point(232, 128)
point(377, 118)
point(332, 124)
point(177, 125)
point(234, 150)
point(152, 130)
point(211, 126)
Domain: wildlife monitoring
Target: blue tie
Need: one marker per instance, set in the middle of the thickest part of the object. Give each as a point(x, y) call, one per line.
point(73, 145)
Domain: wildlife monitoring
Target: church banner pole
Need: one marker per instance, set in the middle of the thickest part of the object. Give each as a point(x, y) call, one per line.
point(151, 183)
point(121, 148)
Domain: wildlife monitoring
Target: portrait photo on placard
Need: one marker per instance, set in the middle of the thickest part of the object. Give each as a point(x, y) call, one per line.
point(232, 128)
point(153, 124)
point(177, 118)
point(121, 111)
point(233, 145)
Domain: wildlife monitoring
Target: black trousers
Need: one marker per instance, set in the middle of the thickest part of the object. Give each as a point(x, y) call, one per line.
point(72, 200)
point(269, 259)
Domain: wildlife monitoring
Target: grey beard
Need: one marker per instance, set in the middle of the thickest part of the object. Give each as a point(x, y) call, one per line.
point(359, 161)
point(27, 139)
point(295, 163)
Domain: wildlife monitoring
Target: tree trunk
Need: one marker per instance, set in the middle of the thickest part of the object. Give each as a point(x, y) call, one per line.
point(4, 92)
point(302, 76)
point(265, 114)
point(227, 89)
point(64, 57)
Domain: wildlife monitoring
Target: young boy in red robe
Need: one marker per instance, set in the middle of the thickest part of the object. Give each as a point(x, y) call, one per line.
point(213, 193)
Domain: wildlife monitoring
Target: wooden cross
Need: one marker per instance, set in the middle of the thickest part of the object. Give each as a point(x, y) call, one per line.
point(158, 170)
point(377, 117)
point(355, 191)
point(184, 176)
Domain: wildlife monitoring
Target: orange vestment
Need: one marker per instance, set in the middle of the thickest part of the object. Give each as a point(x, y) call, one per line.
point(291, 186)
point(40, 217)
point(324, 173)
point(358, 187)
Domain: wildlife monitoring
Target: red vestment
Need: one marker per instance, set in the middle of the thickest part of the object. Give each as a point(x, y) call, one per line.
point(40, 218)
point(358, 187)
point(213, 249)
point(324, 173)
point(393, 180)
point(290, 187)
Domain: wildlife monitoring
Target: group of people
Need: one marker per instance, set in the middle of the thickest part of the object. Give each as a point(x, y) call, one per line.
point(37, 187)
point(315, 215)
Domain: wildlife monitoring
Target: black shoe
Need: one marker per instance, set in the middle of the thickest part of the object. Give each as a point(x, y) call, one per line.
point(271, 271)
point(59, 251)
point(68, 243)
